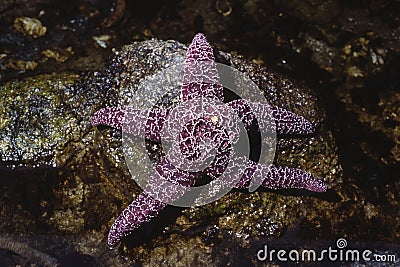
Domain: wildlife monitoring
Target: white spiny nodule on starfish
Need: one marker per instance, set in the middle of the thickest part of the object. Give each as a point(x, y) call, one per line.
point(149, 124)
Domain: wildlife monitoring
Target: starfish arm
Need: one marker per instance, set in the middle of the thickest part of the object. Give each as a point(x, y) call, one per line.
point(111, 116)
point(286, 122)
point(278, 177)
point(131, 120)
point(174, 175)
point(289, 123)
point(200, 77)
point(142, 209)
point(166, 185)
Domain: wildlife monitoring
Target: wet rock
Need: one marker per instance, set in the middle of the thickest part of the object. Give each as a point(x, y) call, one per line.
point(314, 11)
point(41, 36)
point(20, 65)
point(59, 55)
point(38, 118)
point(57, 250)
point(30, 26)
point(113, 10)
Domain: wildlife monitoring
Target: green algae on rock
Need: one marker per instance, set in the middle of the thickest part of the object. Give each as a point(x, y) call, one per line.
point(40, 115)
point(35, 120)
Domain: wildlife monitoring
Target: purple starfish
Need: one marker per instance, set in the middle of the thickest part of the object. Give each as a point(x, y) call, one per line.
point(169, 182)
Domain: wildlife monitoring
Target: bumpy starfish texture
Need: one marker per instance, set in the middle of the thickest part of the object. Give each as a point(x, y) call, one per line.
point(169, 182)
